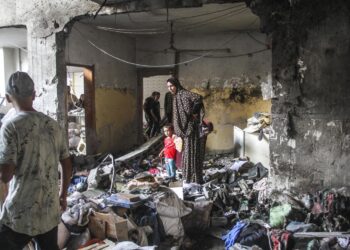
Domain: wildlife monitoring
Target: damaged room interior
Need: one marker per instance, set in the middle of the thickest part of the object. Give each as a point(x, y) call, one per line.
point(174, 124)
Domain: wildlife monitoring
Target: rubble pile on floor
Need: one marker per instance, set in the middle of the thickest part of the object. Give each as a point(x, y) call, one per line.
point(131, 203)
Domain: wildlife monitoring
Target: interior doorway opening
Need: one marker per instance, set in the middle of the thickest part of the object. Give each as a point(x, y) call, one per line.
point(80, 101)
point(150, 84)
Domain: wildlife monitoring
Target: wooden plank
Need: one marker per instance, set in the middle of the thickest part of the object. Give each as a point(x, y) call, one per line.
point(142, 150)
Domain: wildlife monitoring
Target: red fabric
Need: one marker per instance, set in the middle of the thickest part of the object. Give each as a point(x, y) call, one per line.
point(275, 243)
point(153, 170)
point(281, 240)
point(169, 148)
point(330, 201)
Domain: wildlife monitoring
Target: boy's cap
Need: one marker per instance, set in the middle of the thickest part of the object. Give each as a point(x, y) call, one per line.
point(20, 84)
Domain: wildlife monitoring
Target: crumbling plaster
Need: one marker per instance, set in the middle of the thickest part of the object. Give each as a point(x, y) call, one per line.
point(310, 57)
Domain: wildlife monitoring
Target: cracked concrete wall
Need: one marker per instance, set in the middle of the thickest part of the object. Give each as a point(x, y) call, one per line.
point(309, 146)
point(115, 84)
point(218, 79)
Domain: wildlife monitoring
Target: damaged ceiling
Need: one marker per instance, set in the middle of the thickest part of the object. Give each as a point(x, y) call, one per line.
point(225, 17)
point(209, 18)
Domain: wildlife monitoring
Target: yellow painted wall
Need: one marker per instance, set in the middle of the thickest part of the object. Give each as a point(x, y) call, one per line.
point(115, 119)
point(225, 113)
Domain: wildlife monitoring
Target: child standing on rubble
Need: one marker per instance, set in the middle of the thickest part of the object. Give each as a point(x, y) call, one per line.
point(169, 151)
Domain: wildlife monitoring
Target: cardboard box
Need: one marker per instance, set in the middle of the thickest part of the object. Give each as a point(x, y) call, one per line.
point(104, 225)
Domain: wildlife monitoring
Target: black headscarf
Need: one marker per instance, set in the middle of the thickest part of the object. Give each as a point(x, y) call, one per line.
point(185, 105)
point(174, 81)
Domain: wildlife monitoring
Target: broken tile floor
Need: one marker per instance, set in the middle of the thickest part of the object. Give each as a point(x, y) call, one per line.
point(128, 203)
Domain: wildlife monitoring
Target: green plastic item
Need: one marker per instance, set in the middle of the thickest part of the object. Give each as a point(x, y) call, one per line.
point(278, 215)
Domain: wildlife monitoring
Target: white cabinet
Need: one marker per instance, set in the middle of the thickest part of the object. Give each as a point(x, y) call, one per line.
point(247, 144)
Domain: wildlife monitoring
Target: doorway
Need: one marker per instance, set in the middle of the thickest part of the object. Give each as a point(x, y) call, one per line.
point(80, 105)
point(155, 83)
point(150, 80)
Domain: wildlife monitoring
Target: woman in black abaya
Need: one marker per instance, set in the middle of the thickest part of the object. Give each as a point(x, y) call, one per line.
point(188, 113)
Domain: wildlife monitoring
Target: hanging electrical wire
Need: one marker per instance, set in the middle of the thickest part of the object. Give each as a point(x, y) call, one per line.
point(186, 17)
point(211, 19)
point(179, 27)
point(130, 30)
point(218, 56)
point(134, 32)
point(215, 19)
point(198, 57)
point(98, 11)
point(232, 56)
point(207, 13)
point(147, 65)
point(258, 41)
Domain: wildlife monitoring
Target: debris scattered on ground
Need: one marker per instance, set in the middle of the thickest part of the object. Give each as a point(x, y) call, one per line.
point(129, 202)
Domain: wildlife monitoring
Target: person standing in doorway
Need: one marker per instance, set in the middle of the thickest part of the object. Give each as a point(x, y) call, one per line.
point(31, 147)
point(71, 99)
point(81, 102)
point(188, 113)
point(151, 108)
